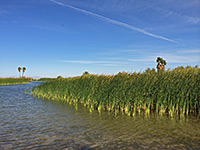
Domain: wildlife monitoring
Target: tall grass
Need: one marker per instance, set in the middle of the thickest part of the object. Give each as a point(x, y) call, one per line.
point(175, 92)
point(13, 81)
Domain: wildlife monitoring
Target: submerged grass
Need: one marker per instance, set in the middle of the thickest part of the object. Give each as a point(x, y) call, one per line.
point(173, 92)
point(13, 81)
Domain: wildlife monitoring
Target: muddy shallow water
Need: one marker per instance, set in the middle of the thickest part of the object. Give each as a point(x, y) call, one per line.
point(32, 123)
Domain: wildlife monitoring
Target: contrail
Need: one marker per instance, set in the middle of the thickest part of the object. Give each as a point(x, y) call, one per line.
point(114, 22)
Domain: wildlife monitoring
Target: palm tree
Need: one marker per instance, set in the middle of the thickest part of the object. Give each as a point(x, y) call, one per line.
point(23, 69)
point(161, 63)
point(19, 69)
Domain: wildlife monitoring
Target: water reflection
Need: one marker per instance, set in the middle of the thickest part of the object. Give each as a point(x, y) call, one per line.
point(31, 123)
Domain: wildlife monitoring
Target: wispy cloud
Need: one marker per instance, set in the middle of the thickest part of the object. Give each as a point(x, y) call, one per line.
point(146, 59)
point(174, 58)
point(113, 58)
point(189, 51)
point(170, 58)
point(167, 12)
point(112, 21)
point(194, 20)
point(91, 62)
point(130, 51)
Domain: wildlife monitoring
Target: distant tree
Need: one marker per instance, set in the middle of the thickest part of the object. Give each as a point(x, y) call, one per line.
point(23, 69)
point(19, 69)
point(59, 77)
point(161, 63)
point(85, 73)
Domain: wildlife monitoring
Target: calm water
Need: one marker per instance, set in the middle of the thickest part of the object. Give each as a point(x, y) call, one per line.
point(31, 123)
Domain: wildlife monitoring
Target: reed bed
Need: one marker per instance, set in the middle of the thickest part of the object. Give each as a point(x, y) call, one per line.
point(13, 81)
point(174, 92)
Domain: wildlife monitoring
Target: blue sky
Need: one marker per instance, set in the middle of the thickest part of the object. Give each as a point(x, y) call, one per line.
point(68, 37)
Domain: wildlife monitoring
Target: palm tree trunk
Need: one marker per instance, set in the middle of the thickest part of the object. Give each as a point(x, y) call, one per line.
point(159, 66)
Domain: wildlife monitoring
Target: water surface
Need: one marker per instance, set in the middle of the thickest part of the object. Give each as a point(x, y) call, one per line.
point(32, 123)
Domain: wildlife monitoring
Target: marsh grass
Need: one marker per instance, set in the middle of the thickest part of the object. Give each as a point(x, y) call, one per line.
point(14, 81)
point(174, 92)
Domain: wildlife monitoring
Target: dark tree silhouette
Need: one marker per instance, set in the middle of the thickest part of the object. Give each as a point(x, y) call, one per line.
point(19, 69)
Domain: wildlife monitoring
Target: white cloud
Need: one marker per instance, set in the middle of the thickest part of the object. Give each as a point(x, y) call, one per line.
point(93, 62)
point(131, 51)
point(189, 51)
point(112, 58)
point(167, 12)
point(194, 20)
point(174, 58)
point(112, 21)
point(147, 59)
point(170, 58)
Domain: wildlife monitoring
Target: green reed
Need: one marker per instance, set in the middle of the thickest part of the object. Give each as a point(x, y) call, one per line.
point(173, 92)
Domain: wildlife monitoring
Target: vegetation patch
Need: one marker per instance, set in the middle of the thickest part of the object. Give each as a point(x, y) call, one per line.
point(47, 79)
point(13, 81)
point(172, 92)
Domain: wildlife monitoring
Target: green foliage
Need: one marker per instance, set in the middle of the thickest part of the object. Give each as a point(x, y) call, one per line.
point(161, 60)
point(12, 81)
point(24, 69)
point(59, 77)
point(173, 92)
point(46, 79)
point(19, 69)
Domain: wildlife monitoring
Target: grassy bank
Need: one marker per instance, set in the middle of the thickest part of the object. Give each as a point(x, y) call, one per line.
point(46, 79)
point(13, 81)
point(171, 92)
